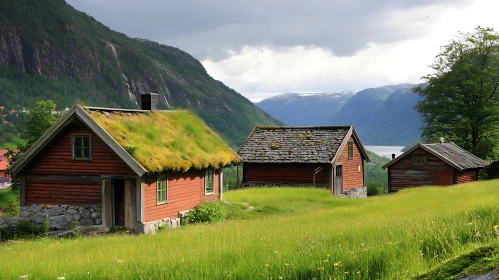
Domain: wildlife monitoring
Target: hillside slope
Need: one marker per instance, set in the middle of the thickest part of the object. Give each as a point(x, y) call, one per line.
point(395, 122)
point(301, 109)
point(50, 50)
point(293, 233)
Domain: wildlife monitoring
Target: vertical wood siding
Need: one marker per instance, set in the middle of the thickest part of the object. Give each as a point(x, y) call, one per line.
point(284, 173)
point(185, 191)
point(352, 177)
point(405, 174)
point(56, 160)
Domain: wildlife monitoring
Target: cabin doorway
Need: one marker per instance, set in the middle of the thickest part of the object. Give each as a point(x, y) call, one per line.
point(338, 179)
point(124, 203)
point(119, 202)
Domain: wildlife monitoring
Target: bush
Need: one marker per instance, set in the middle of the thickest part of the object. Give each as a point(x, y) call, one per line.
point(21, 230)
point(208, 212)
point(376, 187)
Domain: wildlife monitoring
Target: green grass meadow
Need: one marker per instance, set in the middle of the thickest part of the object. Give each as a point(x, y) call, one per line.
point(294, 233)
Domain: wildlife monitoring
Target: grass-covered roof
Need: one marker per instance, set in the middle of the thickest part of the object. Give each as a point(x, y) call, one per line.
point(166, 140)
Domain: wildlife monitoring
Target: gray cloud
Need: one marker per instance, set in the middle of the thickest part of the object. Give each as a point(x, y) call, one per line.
point(209, 28)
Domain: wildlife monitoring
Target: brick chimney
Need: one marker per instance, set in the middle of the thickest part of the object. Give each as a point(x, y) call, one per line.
point(149, 101)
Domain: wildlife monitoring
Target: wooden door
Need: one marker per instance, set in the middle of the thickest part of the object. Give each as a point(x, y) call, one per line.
point(130, 204)
point(119, 202)
point(338, 179)
point(442, 178)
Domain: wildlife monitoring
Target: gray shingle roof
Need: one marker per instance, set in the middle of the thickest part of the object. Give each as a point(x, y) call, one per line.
point(288, 144)
point(450, 153)
point(456, 155)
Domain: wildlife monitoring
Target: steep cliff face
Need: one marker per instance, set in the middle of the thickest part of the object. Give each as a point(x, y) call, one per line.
point(50, 50)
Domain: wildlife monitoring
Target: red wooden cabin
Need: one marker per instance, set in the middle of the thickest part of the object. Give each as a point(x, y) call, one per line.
point(433, 165)
point(122, 167)
point(327, 156)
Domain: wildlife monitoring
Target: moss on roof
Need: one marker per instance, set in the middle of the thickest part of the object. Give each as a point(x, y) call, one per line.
point(166, 140)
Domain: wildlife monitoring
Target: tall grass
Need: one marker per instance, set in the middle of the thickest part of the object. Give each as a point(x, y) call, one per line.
point(298, 234)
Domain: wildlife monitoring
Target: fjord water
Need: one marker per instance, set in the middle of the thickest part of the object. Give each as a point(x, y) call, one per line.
point(386, 151)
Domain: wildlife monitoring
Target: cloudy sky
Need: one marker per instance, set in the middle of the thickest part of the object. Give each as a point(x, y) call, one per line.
point(262, 48)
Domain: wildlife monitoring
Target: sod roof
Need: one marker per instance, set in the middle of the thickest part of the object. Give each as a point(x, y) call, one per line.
point(165, 140)
point(295, 144)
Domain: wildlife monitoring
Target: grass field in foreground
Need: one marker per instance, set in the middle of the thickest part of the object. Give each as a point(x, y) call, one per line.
point(299, 234)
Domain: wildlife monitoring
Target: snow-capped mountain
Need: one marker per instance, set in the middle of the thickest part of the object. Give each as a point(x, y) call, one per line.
point(305, 108)
point(382, 116)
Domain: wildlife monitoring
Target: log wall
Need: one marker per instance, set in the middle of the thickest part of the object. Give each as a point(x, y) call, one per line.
point(284, 173)
point(404, 174)
point(466, 176)
point(53, 177)
point(185, 191)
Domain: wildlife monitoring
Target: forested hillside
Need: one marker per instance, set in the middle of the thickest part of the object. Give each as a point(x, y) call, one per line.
point(49, 50)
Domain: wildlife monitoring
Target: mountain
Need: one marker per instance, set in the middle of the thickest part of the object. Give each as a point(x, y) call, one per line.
point(305, 108)
point(395, 122)
point(382, 116)
point(359, 109)
point(49, 50)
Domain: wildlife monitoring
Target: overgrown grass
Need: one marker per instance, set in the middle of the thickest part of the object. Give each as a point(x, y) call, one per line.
point(9, 201)
point(294, 234)
point(178, 140)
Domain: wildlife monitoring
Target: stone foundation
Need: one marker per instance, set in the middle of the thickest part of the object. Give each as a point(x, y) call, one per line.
point(360, 192)
point(62, 216)
point(153, 226)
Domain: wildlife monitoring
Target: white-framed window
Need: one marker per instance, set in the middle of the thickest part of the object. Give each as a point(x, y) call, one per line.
point(82, 147)
point(162, 189)
point(209, 181)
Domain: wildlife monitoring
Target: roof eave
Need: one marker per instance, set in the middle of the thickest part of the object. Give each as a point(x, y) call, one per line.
point(78, 111)
point(401, 156)
point(351, 133)
point(109, 140)
point(28, 155)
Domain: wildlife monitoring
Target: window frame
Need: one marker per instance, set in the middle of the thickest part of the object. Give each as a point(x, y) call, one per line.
point(212, 182)
point(73, 142)
point(350, 149)
point(425, 159)
point(159, 179)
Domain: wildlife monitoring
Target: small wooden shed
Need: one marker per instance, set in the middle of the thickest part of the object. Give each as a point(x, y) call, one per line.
point(433, 165)
point(327, 156)
point(116, 167)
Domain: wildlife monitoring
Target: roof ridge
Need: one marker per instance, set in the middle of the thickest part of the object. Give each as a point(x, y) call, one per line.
point(298, 127)
point(92, 108)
